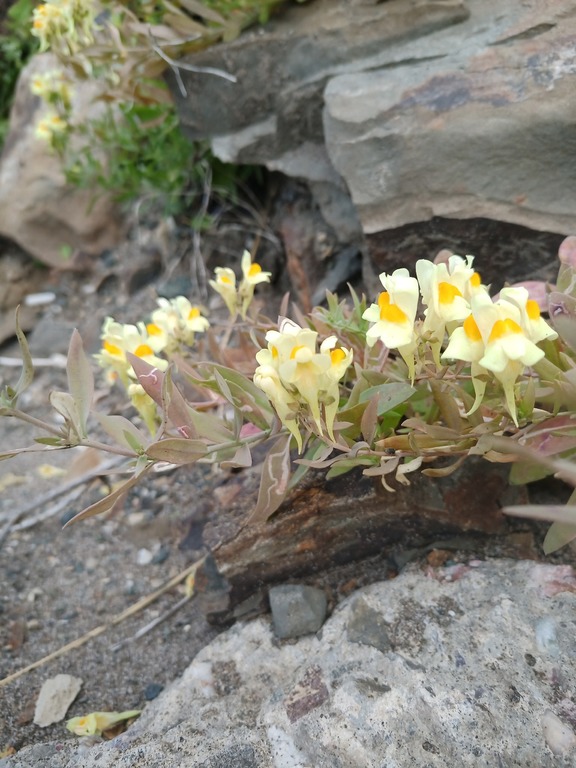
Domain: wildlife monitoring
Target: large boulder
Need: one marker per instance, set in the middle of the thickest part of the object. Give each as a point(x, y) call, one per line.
point(465, 665)
point(50, 219)
point(403, 112)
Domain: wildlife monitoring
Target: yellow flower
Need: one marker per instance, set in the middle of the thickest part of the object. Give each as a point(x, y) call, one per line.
point(96, 722)
point(64, 24)
point(285, 404)
point(49, 126)
point(294, 374)
point(252, 275)
point(535, 327)
point(225, 285)
point(175, 322)
point(494, 340)
point(394, 315)
point(117, 340)
point(52, 87)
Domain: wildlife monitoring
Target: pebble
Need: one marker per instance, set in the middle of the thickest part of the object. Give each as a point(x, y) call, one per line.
point(152, 690)
point(56, 695)
point(297, 610)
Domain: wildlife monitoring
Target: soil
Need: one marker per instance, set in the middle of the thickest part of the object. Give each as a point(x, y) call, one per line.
point(58, 584)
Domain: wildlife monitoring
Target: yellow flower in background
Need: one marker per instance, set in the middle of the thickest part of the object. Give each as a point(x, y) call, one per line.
point(252, 275)
point(176, 321)
point(117, 340)
point(252, 272)
point(50, 126)
point(238, 300)
point(340, 361)
point(66, 25)
point(394, 315)
point(52, 87)
point(225, 285)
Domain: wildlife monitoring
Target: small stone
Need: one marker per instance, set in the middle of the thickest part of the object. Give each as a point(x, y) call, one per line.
point(144, 557)
point(152, 691)
point(297, 610)
point(54, 698)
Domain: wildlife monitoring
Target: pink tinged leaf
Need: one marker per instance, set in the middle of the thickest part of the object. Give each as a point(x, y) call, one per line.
point(108, 502)
point(159, 387)
point(177, 450)
point(80, 379)
point(567, 251)
point(274, 481)
point(250, 430)
point(537, 291)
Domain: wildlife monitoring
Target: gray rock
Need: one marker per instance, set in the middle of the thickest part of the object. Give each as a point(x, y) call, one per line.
point(465, 680)
point(47, 217)
point(412, 110)
point(297, 610)
point(55, 697)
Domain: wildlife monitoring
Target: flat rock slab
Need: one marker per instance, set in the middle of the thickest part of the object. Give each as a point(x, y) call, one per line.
point(469, 665)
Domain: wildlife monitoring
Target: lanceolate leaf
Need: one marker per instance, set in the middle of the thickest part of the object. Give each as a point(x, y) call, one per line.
point(177, 450)
point(558, 535)
point(103, 505)
point(64, 403)
point(123, 431)
point(80, 380)
point(27, 373)
point(274, 481)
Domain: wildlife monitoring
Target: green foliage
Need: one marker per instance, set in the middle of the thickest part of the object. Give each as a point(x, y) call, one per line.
point(136, 150)
point(16, 47)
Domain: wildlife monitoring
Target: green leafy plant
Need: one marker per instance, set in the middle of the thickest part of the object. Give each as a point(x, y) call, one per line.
point(375, 387)
point(135, 148)
point(17, 44)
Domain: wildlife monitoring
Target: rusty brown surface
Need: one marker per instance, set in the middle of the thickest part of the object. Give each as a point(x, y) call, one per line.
point(326, 524)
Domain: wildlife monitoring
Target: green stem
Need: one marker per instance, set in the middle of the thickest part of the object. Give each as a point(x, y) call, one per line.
point(18, 414)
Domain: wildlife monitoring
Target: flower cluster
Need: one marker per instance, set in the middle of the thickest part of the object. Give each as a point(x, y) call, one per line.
point(497, 337)
point(66, 24)
point(175, 322)
point(298, 379)
point(54, 89)
point(238, 299)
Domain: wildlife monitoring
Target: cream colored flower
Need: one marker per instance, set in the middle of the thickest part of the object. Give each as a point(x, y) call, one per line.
point(535, 327)
point(394, 315)
point(49, 126)
point(285, 403)
point(507, 349)
point(225, 285)
point(65, 25)
point(252, 274)
point(175, 322)
point(300, 376)
point(117, 340)
point(52, 87)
